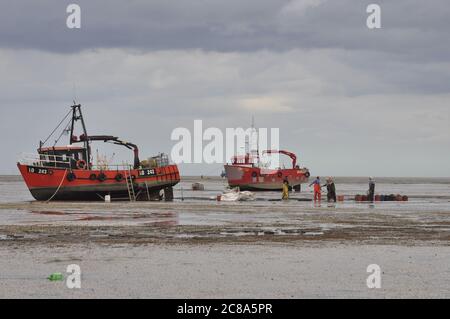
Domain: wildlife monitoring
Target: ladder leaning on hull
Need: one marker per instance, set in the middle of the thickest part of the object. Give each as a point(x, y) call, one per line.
point(130, 185)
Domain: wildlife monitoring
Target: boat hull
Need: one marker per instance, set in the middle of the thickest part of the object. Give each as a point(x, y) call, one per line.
point(256, 179)
point(54, 184)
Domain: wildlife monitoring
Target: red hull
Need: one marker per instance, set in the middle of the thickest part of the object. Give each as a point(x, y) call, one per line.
point(247, 177)
point(44, 183)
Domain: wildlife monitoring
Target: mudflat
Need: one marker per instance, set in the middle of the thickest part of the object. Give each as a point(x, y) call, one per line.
point(265, 270)
point(200, 248)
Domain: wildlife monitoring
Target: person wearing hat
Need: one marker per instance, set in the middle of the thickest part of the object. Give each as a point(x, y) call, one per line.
point(331, 190)
point(371, 191)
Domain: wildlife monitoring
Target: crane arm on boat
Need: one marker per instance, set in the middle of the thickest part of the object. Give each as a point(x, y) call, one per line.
point(115, 140)
point(290, 154)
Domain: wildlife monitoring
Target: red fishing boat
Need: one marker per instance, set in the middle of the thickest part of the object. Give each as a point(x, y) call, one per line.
point(247, 173)
point(68, 172)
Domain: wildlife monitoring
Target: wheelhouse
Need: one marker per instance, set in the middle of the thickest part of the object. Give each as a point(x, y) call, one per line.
point(63, 157)
point(246, 159)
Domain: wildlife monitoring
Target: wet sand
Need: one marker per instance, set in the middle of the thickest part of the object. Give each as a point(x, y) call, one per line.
point(206, 249)
point(264, 270)
point(213, 222)
point(224, 250)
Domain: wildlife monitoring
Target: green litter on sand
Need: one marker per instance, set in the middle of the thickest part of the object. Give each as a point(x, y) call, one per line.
point(57, 276)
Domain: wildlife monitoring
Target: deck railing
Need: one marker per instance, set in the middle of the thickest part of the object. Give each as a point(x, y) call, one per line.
point(65, 161)
point(47, 160)
point(70, 162)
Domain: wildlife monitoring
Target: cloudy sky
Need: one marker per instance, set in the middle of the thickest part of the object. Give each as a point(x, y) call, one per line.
point(349, 100)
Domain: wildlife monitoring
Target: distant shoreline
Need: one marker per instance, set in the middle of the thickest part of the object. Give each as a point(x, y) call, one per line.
point(338, 179)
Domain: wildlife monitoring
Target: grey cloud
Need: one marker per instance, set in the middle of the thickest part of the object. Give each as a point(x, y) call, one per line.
point(416, 29)
point(310, 67)
point(144, 96)
point(409, 54)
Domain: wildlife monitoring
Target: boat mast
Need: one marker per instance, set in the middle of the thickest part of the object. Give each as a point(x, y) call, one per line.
point(254, 132)
point(257, 139)
point(77, 115)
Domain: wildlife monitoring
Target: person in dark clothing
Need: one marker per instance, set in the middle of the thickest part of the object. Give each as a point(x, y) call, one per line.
point(371, 191)
point(331, 190)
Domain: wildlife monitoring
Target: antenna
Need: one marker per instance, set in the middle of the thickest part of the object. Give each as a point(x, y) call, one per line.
point(254, 131)
point(74, 88)
point(248, 139)
point(257, 137)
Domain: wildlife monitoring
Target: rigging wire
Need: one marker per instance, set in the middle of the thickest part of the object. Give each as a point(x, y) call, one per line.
point(62, 133)
point(53, 132)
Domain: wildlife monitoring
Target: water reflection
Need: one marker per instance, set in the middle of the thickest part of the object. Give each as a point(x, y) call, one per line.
point(52, 213)
point(146, 218)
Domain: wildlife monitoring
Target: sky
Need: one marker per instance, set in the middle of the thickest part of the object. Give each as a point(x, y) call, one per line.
point(349, 100)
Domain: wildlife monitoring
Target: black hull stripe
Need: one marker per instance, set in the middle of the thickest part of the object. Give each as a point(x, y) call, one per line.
point(95, 192)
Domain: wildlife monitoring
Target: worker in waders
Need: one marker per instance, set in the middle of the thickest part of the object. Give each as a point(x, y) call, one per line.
point(331, 190)
point(371, 191)
point(317, 189)
point(285, 189)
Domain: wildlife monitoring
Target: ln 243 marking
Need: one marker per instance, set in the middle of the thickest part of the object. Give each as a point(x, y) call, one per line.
point(36, 170)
